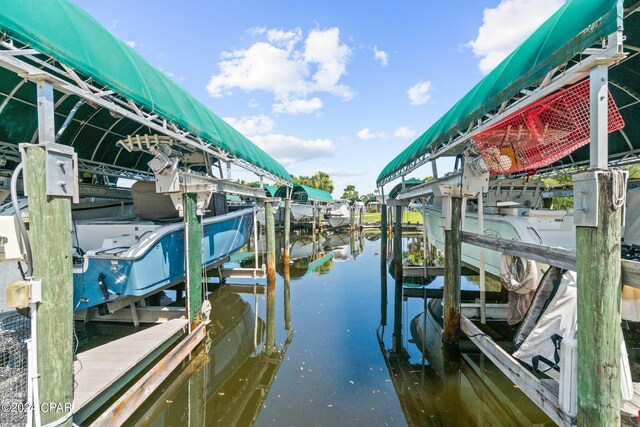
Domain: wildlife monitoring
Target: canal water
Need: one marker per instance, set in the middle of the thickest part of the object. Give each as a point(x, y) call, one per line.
point(332, 360)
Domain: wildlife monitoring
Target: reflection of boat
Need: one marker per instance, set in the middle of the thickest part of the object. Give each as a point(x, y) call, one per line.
point(338, 244)
point(339, 215)
point(513, 210)
point(484, 395)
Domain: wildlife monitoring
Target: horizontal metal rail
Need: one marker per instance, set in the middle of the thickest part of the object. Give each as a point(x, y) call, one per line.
point(557, 257)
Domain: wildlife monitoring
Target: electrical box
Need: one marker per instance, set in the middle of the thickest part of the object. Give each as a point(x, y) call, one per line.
point(585, 199)
point(61, 169)
point(10, 241)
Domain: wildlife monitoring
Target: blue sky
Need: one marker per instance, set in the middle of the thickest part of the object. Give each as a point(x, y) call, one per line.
point(337, 86)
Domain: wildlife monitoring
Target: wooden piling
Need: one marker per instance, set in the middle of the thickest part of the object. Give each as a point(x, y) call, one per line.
point(352, 220)
point(197, 399)
point(313, 221)
point(50, 233)
point(193, 255)
point(271, 278)
point(287, 230)
point(397, 256)
point(384, 233)
point(599, 290)
point(452, 270)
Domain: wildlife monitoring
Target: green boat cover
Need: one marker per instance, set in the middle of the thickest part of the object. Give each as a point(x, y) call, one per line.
point(62, 30)
point(577, 25)
point(303, 193)
point(271, 190)
point(407, 184)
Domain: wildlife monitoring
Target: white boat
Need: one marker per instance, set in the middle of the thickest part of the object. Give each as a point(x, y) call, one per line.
point(513, 210)
point(302, 212)
point(339, 215)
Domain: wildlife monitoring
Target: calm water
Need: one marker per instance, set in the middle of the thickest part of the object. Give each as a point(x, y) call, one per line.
point(328, 366)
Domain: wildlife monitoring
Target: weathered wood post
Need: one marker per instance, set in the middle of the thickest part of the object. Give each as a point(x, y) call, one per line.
point(319, 212)
point(397, 260)
point(598, 230)
point(313, 221)
point(452, 271)
point(50, 234)
point(271, 278)
point(287, 230)
point(384, 233)
point(193, 257)
point(352, 219)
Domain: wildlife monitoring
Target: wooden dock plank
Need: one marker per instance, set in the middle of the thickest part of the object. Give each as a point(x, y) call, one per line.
point(101, 371)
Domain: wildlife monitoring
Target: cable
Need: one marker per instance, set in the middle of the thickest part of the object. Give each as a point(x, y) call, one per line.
point(619, 189)
point(18, 215)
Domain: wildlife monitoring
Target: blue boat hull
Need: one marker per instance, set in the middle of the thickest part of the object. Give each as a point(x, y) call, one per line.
point(161, 264)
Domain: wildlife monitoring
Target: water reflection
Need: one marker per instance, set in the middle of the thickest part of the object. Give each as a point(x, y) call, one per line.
point(334, 369)
point(437, 386)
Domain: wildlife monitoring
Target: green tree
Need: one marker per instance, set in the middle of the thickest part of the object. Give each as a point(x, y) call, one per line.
point(350, 193)
point(319, 180)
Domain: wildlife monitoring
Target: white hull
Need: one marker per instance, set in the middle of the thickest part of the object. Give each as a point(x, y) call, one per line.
point(551, 228)
point(301, 212)
point(338, 221)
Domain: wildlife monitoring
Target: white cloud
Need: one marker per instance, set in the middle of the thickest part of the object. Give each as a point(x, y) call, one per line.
point(132, 43)
point(286, 149)
point(506, 26)
point(252, 125)
point(297, 106)
point(291, 149)
point(335, 172)
point(404, 132)
point(366, 134)
point(419, 93)
point(289, 66)
point(381, 56)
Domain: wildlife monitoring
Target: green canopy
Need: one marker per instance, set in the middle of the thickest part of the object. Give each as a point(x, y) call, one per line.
point(302, 193)
point(60, 29)
point(271, 190)
point(407, 184)
point(576, 26)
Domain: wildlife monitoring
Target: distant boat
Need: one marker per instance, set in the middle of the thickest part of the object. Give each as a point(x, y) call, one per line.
point(304, 201)
point(339, 215)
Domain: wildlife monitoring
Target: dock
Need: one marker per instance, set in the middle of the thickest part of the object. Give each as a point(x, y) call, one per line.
point(102, 372)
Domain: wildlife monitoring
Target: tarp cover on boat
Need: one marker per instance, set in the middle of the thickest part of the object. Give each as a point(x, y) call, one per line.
point(62, 30)
point(303, 193)
point(577, 25)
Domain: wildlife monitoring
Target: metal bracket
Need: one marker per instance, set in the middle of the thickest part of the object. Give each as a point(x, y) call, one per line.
point(585, 199)
point(61, 169)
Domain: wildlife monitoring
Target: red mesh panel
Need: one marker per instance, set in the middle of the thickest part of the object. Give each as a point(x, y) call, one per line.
point(542, 133)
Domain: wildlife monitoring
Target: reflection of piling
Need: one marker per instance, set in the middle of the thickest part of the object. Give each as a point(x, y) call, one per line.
point(271, 278)
point(598, 267)
point(287, 296)
point(197, 401)
point(452, 270)
point(397, 254)
point(287, 230)
point(451, 387)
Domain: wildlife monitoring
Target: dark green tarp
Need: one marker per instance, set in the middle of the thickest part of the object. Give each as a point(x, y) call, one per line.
point(577, 25)
point(62, 30)
point(303, 193)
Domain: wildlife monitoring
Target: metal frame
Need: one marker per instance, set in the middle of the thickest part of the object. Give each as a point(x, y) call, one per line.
point(28, 63)
point(610, 53)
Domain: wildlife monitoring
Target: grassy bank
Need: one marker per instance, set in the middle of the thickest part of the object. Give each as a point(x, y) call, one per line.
point(407, 217)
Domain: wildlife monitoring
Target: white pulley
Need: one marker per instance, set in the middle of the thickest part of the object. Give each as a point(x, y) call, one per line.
point(206, 311)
